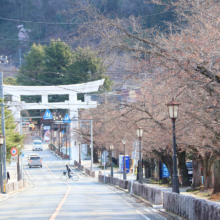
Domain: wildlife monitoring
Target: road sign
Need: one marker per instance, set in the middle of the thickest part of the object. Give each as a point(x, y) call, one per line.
point(105, 157)
point(14, 159)
point(48, 115)
point(22, 155)
point(14, 151)
point(66, 119)
point(31, 125)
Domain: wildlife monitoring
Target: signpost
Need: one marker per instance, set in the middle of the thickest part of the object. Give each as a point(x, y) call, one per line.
point(48, 115)
point(14, 159)
point(14, 151)
point(22, 155)
point(134, 155)
point(66, 119)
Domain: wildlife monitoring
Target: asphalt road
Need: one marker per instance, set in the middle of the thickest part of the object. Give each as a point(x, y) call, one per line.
point(49, 198)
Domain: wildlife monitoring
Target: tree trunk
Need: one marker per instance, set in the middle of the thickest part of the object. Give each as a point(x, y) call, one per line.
point(152, 167)
point(207, 171)
point(95, 155)
point(147, 168)
point(216, 177)
point(183, 168)
point(196, 172)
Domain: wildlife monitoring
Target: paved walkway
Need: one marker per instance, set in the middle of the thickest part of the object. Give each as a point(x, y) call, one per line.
point(87, 163)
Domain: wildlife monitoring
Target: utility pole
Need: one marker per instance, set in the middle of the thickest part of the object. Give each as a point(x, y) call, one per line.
point(19, 56)
point(3, 132)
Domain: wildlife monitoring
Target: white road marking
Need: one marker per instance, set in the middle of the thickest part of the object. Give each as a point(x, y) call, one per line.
point(147, 210)
point(142, 215)
point(128, 204)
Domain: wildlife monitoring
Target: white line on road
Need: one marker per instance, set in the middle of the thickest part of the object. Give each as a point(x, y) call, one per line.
point(143, 215)
point(128, 204)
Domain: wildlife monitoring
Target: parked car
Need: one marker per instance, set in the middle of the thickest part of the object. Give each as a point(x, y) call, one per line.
point(37, 145)
point(35, 161)
point(190, 170)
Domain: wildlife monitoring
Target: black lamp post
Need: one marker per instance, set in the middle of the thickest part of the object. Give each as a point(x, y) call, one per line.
point(173, 108)
point(1, 159)
point(140, 173)
point(124, 173)
point(111, 148)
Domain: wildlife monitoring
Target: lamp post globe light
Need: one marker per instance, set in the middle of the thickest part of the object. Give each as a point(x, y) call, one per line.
point(111, 148)
point(1, 161)
point(140, 173)
point(173, 108)
point(124, 173)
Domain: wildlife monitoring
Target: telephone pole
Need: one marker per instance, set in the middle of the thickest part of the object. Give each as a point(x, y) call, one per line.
point(3, 133)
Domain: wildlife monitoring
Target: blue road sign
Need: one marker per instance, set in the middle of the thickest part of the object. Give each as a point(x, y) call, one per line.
point(22, 155)
point(63, 132)
point(166, 173)
point(48, 115)
point(66, 119)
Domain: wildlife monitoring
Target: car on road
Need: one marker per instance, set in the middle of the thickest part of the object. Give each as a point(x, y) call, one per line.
point(37, 145)
point(35, 161)
point(33, 155)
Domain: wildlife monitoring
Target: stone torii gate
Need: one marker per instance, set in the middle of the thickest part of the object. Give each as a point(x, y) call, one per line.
point(73, 105)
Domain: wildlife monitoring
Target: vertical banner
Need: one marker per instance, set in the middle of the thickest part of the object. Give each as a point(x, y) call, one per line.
point(47, 133)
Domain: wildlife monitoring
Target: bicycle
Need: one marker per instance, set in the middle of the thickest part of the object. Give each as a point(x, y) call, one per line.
point(73, 176)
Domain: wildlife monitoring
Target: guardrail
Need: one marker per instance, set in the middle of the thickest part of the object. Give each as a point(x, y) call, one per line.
point(148, 193)
point(10, 187)
point(190, 208)
point(80, 167)
point(90, 172)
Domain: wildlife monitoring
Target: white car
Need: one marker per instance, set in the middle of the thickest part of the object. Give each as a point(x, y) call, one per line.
point(37, 145)
point(32, 155)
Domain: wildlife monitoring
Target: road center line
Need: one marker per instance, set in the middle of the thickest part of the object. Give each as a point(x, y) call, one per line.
point(62, 201)
point(60, 205)
point(50, 170)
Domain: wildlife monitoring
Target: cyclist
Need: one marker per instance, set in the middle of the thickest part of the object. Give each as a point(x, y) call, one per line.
point(68, 170)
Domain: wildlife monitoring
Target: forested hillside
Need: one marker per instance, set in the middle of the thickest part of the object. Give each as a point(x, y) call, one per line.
point(16, 32)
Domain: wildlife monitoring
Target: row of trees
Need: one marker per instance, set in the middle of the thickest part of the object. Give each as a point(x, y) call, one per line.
point(182, 62)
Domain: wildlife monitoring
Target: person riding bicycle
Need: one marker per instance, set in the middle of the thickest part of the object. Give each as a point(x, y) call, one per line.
point(68, 170)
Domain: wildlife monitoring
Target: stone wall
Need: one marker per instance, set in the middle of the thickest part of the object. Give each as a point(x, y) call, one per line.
point(148, 193)
point(190, 208)
point(90, 172)
point(15, 186)
point(80, 167)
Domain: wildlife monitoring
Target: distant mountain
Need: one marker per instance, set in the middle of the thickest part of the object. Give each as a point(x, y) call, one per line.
point(12, 33)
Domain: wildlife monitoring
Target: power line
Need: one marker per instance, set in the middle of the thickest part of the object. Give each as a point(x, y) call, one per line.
point(38, 22)
point(38, 41)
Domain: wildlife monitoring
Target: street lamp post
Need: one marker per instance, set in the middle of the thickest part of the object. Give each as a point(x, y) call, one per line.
point(173, 108)
point(124, 173)
point(140, 173)
point(111, 148)
point(1, 159)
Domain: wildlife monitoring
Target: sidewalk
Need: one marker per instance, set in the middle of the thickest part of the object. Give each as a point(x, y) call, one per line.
point(87, 163)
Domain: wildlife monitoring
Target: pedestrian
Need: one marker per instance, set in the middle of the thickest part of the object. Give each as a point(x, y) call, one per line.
point(8, 176)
